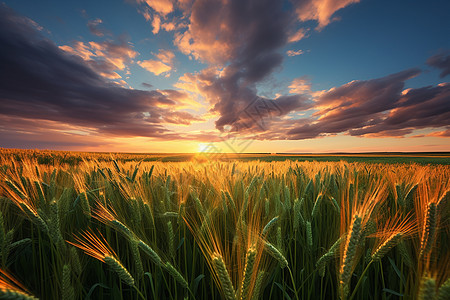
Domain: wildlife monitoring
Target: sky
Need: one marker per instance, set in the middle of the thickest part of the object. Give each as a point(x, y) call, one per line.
point(294, 76)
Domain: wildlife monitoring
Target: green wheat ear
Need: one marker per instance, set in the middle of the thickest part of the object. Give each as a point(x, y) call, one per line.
point(270, 225)
point(330, 255)
point(384, 248)
point(429, 229)
point(258, 285)
point(171, 239)
point(122, 228)
point(150, 252)
point(248, 272)
point(11, 294)
point(76, 264)
point(309, 237)
point(134, 246)
point(120, 270)
point(224, 277)
point(176, 275)
point(35, 218)
point(427, 288)
point(444, 291)
point(275, 253)
point(67, 288)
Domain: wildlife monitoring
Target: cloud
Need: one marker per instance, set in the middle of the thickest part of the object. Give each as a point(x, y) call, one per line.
point(443, 133)
point(166, 56)
point(441, 61)
point(154, 66)
point(373, 108)
point(297, 35)
point(294, 53)
point(300, 85)
point(319, 10)
point(162, 7)
point(156, 23)
point(105, 57)
point(147, 85)
point(237, 61)
point(180, 117)
point(161, 66)
point(43, 83)
point(240, 41)
point(213, 26)
point(94, 27)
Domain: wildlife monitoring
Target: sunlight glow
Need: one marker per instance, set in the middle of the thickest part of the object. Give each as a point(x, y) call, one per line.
point(203, 147)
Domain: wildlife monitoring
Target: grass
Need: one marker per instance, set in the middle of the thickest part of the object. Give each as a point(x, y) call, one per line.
point(87, 226)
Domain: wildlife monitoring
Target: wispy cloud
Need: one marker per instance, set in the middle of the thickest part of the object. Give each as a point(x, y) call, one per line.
point(95, 27)
point(294, 52)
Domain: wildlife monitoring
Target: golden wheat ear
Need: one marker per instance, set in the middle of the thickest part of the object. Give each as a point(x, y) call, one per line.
point(10, 288)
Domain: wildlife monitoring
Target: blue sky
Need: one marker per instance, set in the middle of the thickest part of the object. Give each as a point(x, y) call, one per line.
point(326, 66)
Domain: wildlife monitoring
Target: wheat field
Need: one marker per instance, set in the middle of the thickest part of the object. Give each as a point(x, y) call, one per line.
point(122, 228)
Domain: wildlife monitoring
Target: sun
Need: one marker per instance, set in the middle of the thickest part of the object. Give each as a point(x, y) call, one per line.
point(203, 147)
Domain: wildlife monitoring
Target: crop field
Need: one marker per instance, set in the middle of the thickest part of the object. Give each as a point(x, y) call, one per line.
point(85, 226)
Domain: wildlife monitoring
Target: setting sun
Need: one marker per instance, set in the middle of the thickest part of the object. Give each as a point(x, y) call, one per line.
point(203, 147)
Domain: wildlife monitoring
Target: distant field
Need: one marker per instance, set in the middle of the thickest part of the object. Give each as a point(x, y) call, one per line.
point(50, 157)
point(256, 226)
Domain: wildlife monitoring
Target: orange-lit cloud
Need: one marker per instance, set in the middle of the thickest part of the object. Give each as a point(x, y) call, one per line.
point(294, 52)
point(297, 35)
point(154, 66)
point(105, 57)
point(320, 10)
point(162, 7)
point(156, 23)
point(300, 85)
point(161, 66)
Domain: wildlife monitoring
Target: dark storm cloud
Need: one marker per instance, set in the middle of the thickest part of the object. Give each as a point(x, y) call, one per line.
point(441, 61)
point(40, 81)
